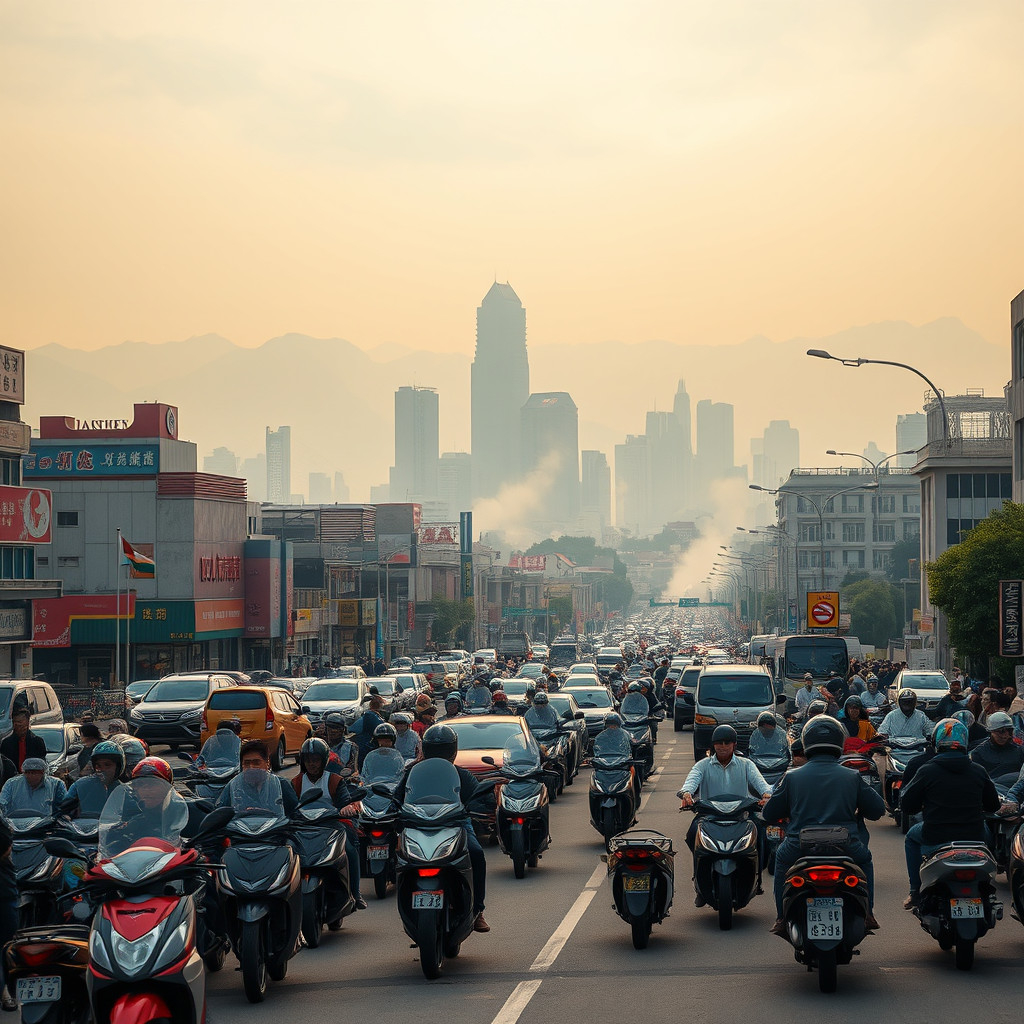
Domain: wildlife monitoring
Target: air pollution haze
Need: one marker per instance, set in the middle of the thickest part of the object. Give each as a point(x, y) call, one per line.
point(513, 512)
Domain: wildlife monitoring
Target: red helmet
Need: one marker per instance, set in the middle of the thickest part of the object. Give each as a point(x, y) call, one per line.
point(153, 767)
point(499, 697)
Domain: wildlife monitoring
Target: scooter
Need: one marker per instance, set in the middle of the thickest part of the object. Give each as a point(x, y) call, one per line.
point(726, 861)
point(207, 781)
point(636, 722)
point(378, 823)
point(1003, 827)
point(46, 971)
point(522, 811)
point(435, 877)
point(1015, 876)
point(958, 902)
point(863, 764)
point(900, 754)
point(641, 867)
point(40, 874)
point(614, 784)
point(825, 904)
point(326, 886)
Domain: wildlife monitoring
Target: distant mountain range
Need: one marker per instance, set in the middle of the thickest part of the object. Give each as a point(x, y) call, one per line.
point(339, 399)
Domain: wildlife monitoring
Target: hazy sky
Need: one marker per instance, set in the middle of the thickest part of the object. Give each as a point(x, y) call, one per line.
point(687, 171)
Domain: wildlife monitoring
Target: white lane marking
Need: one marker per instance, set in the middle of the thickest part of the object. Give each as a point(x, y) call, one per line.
point(517, 1002)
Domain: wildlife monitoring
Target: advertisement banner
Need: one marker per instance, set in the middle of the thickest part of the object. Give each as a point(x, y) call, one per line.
point(528, 563)
point(348, 613)
point(52, 616)
point(1011, 641)
point(443, 534)
point(12, 375)
point(262, 588)
point(822, 609)
point(25, 514)
point(466, 532)
point(220, 616)
point(15, 437)
point(52, 461)
point(379, 648)
point(466, 576)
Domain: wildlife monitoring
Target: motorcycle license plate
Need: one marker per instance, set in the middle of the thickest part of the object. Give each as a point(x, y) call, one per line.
point(38, 990)
point(376, 853)
point(965, 908)
point(824, 918)
point(636, 883)
point(774, 833)
point(428, 899)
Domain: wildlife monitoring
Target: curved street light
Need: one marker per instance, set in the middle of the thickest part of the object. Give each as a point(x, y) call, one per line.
point(874, 465)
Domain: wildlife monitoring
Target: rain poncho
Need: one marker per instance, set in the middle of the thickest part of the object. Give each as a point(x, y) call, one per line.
point(612, 745)
point(91, 794)
point(221, 749)
point(408, 745)
point(18, 795)
point(543, 718)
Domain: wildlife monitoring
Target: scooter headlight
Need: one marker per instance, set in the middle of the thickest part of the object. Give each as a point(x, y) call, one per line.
point(133, 954)
point(98, 951)
point(521, 805)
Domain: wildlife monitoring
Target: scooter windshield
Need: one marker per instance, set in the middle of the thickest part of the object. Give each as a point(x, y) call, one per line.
point(611, 748)
point(221, 749)
point(769, 745)
point(140, 828)
point(634, 708)
point(478, 697)
point(543, 721)
point(521, 757)
point(384, 765)
point(433, 790)
point(257, 800)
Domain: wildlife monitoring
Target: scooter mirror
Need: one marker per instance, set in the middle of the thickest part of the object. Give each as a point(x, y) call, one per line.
point(487, 759)
point(213, 822)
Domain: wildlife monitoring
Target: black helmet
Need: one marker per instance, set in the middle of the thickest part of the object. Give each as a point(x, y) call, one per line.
point(335, 720)
point(440, 741)
point(540, 698)
point(612, 718)
point(314, 748)
point(823, 735)
point(767, 718)
point(723, 734)
point(906, 696)
point(634, 687)
point(816, 707)
point(853, 701)
point(231, 725)
point(385, 731)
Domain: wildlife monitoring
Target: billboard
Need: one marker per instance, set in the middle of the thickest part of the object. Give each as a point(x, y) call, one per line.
point(50, 461)
point(25, 514)
point(262, 588)
point(1011, 642)
point(12, 375)
point(823, 609)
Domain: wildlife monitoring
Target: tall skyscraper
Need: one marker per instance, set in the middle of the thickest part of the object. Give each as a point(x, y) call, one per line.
point(776, 454)
point(319, 489)
point(454, 482)
point(715, 444)
point(911, 435)
point(669, 461)
point(633, 486)
point(255, 472)
point(550, 441)
point(414, 474)
point(595, 492)
point(222, 461)
point(341, 489)
point(681, 409)
point(279, 464)
point(500, 385)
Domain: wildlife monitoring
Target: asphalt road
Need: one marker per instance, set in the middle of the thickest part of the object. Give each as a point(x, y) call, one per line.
point(557, 950)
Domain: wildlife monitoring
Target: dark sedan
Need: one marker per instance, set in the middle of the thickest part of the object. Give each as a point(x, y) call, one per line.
point(63, 744)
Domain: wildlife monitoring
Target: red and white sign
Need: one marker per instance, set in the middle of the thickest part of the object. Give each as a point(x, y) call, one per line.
point(823, 609)
point(440, 533)
point(528, 563)
point(25, 514)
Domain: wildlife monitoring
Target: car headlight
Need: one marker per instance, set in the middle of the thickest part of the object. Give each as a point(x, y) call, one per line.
point(194, 713)
point(135, 713)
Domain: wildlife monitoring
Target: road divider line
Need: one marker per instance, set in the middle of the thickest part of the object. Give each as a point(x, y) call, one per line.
point(549, 954)
point(517, 1002)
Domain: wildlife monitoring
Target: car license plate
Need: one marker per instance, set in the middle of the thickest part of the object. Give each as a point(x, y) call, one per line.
point(965, 908)
point(774, 833)
point(38, 990)
point(824, 918)
point(636, 883)
point(376, 853)
point(428, 899)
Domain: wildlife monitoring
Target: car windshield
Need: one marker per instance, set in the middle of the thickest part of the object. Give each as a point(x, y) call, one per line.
point(923, 682)
point(385, 686)
point(331, 691)
point(53, 738)
point(595, 698)
point(347, 672)
point(724, 691)
point(178, 689)
point(237, 700)
point(477, 735)
point(530, 670)
point(139, 688)
point(821, 660)
point(145, 813)
point(5, 699)
point(514, 687)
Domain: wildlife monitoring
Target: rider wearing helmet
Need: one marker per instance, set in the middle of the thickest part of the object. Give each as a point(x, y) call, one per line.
point(90, 793)
point(453, 706)
point(541, 715)
point(822, 792)
point(718, 774)
point(855, 721)
point(34, 790)
point(499, 703)
point(407, 741)
point(223, 746)
point(953, 795)
point(768, 739)
point(442, 741)
point(999, 755)
point(345, 753)
point(905, 721)
point(384, 735)
point(151, 809)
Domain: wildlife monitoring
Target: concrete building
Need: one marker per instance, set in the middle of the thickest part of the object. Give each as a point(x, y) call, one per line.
point(414, 474)
point(715, 457)
point(911, 436)
point(683, 415)
point(633, 486)
point(320, 489)
point(775, 454)
point(500, 386)
point(341, 489)
point(222, 462)
point(666, 442)
point(963, 478)
point(1015, 393)
point(254, 472)
point(455, 482)
point(549, 442)
point(279, 464)
point(595, 493)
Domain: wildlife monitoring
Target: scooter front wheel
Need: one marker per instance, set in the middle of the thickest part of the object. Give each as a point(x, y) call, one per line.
point(312, 917)
point(380, 885)
point(518, 854)
point(725, 902)
point(254, 962)
point(428, 938)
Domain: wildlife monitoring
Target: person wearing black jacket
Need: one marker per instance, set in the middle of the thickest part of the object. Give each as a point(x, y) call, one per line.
point(23, 742)
point(953, 795)
point(999, 755)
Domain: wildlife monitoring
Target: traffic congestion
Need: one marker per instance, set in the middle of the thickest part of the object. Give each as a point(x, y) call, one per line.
point(455, 817)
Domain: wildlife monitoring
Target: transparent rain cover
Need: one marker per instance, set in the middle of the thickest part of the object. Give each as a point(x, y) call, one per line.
point(384, 765)
point(433, 790)
point(478, 697)
point(611, 747)
point(635, 708)
point(221, 750)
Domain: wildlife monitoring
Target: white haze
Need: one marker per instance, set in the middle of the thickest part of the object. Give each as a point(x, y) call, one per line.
point(513, 513)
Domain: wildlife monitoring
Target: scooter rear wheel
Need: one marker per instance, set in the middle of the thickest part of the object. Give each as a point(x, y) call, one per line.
point(964, 954)
point(215, 960)
point(641, 931)
point(725, 902)
point(428, 938)
point(253, 960)
point(312, 917)
point(380, 885)
point(518, 854)
point(608, 827)
point(827, 973)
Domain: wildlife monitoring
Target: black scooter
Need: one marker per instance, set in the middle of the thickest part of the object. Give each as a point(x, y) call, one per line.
point(614, 789)
point(39, 873)
point(726, 861)
point(641, 867)
point(900, 753)
point(523, 808)
point(1015, 876)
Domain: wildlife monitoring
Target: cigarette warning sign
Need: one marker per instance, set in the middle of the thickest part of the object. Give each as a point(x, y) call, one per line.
point(823, 609)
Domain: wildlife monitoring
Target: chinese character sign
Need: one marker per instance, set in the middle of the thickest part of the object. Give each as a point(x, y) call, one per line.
point(12, 375)
point(52, 461)
point(1011, 641)
point(25, 515)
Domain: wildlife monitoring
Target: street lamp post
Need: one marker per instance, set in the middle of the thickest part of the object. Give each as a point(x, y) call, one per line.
point(820, 353)
point(875, 466)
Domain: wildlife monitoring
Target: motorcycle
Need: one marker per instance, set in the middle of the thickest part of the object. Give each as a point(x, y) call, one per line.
point(1003, 827)
point(378, 822)
point(556, 756)
point(726, 861)
point(435, 877)
point(259, 884)
point(641, 866)
point(825, 904)
point(861, 762)
point(900, 752)
point(636, 722)
point(46, 971)
point(208, 780)
point(522, 804)
point(1015, 876)
point(614, 784)
point(958, 902)
point(478, 700)
point(39, 874)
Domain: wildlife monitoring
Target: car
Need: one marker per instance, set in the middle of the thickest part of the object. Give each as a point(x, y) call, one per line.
point(574, 718)
point(485, 735)
point(39, 697)
point(595, 702)
point(583, 679)
point(349, 672)
point(391, 691)
point(173, 709)
point(439, 675)
point(135, 691)
point(241, 678)
point(683, 700)
point(929, 685)
point(540, 652)
point(267, 713)
point(731, 695)
point(582, 668)
point(63, 745)
point(327, 695)
point(607, 658)
point(486, 656)
point(530, 670)
point(299, 684)
point(412, 685)
point(400, 665)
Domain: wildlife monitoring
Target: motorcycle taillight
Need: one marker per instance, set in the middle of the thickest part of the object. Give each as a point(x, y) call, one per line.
point(428, 872)
point(36, 953)
point(965, 874)
point(376, 834)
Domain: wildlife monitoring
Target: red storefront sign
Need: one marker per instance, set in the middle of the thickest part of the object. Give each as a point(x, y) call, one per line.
point(52, 617)
point(25, 514)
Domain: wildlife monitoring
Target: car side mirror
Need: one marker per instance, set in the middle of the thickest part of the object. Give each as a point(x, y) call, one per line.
point(213, 822)
point(305, 709)
point(780, 698)
point(579, 714)
point(76, 748)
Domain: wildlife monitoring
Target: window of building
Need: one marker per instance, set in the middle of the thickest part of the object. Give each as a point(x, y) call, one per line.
point(43, 560)
point(912, 504)
point(1018, 450)
point(67, 518)
point(883, 503)
point(10, 471)
point(853, 533)
point(853, 502)
point(808, 532)
point(911, 529)
point(853, 559)
point(881, 560)
point(812, 559)
point(1018, 350)
point(884, 533)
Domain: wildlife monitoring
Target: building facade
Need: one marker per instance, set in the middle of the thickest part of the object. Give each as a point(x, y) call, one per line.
point(414, 474)
point(715, 442)
point(911, 436)
point(455, 482)
point(633, 486)
point(595, 493)
point(549, 443)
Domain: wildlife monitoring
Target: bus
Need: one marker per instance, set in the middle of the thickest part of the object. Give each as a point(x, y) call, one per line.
point(790, 657)
point(756, 647)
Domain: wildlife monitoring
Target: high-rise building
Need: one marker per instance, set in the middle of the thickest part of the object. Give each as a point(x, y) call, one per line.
point(500, 386)
point(549, 442)
point(715, 444)
point(911, 436)
point(669, 461)
point(633, 486)
point(681, 409)
point(454, 482)
point(414, 474)
point(595, 492)
point(775, 454)
point(341, 489)
point(279, 465)
point(255, 472)
point(221, 461)
point(319, 489)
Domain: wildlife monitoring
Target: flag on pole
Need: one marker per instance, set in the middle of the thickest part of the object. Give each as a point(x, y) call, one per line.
point(142, 566)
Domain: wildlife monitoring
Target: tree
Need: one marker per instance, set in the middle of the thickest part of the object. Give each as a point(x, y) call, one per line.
point(900, 555)
point(964, 580)
point(450, 617)
point(873, 611)
point(559, 613)
point(614, 590)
